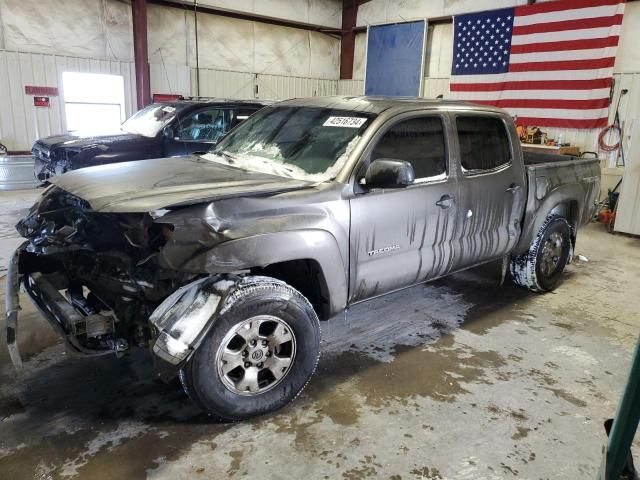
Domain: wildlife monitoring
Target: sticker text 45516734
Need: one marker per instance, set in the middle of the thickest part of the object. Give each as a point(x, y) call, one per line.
point(348, 122)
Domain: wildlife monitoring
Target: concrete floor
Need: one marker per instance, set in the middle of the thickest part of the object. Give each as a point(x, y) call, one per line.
point(458, 379)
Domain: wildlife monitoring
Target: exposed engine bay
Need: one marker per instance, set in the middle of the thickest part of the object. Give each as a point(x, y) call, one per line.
point(106, 266)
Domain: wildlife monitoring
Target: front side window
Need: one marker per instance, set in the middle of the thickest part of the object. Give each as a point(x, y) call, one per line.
point(311, 143)
point(484, 143)
point(204, 126)
point(419, 141)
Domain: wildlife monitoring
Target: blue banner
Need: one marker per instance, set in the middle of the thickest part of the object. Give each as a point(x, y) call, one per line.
point(395, 59)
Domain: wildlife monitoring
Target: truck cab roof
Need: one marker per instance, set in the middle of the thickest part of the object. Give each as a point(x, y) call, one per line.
point(380, 104)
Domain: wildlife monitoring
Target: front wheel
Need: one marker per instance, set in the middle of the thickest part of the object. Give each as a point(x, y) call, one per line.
point(259, 354)
point(540, 268)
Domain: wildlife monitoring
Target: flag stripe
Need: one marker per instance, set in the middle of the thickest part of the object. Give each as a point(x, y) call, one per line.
point(568, 15)
point(533, 85)
point(515, 76)
point(586, 44)
point(583, 34)
point(577, 24)
point(524, 95)
point(548, 103)
point(594, 53)
point(564, 123)
point(563, 65)
point(568, 113)
point(547, 7)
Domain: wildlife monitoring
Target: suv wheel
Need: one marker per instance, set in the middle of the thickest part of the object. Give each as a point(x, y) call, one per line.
point(259, 354)
point(540, 268)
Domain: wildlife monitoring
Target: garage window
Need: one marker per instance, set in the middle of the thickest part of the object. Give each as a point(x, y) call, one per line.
point(419, 141)
point(484, 143)
point(93, 102)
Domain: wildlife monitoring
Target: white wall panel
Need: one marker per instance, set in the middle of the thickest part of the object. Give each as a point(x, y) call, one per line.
point(436, 86)
point(276, 87)
point(319, 12)
point(170, 78)
point(439, 50)
point(628, 55)
point(223, 84)
point(360, 56)
point(350, 87)
point(20, 122)
point(87, 28)
point(383, 11)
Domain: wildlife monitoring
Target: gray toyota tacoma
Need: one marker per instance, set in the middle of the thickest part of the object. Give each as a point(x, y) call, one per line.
point(223, 264)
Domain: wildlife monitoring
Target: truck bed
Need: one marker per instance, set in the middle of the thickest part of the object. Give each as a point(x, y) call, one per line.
point(554, 179)
point(535, 158)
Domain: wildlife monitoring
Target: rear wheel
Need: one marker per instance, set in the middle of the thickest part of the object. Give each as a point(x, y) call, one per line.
point(259, 354)
point(541, 267)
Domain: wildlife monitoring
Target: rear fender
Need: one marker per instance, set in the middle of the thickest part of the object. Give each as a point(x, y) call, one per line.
point(555, 202)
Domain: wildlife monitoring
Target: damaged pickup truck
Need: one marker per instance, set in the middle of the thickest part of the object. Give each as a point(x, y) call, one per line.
point(223, 264)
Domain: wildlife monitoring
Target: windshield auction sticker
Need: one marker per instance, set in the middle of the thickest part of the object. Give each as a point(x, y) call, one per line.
point(349, 122)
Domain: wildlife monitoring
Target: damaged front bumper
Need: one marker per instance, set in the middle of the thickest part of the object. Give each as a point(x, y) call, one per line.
point(55, 308)
point(179, 323)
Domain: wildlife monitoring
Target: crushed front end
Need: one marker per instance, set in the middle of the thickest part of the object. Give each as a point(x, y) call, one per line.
point(94, 276)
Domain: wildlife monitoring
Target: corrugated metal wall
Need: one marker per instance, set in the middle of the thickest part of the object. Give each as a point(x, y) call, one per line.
point(20, 122)
point(350, 87)
point(276, 87)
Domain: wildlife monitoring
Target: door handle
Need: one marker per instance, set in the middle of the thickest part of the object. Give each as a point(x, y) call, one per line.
point(445, 201)
point(513, 188)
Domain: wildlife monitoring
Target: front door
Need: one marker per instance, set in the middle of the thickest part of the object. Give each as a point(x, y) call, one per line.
point(492, 186)
point(403, 236)
point(197, 131)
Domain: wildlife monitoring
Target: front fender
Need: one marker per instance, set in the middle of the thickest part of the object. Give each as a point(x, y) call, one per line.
point(269, 248)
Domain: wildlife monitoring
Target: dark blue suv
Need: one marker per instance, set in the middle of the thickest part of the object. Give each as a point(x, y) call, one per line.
point(165, 129)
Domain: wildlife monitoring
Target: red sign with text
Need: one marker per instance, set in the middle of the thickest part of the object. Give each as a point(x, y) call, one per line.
point(48, 91)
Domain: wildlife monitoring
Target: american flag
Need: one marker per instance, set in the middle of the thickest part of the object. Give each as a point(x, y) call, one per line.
point(550, 64)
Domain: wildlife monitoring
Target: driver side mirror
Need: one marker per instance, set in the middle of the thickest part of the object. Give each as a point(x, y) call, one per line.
point(389, 173)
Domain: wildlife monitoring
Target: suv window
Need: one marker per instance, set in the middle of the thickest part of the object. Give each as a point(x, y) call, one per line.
point(204, 125)
point(419, 141)
point(242, 113)
point(484, 143)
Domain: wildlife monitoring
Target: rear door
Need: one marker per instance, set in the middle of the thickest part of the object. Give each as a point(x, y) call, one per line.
point(492, 187)
point(403, 236)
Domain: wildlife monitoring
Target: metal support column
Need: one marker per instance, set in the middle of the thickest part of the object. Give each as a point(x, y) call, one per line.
point(141, 52)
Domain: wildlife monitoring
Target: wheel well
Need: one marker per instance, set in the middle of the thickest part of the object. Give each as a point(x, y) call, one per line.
point(304, 275)
point(570, 211)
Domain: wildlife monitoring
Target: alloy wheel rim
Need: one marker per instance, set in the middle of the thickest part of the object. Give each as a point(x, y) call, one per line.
point(551, 253)
point(256, 355)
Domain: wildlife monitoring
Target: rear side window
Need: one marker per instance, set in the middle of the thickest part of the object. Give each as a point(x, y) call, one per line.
point(419, 141)
point(484, 144)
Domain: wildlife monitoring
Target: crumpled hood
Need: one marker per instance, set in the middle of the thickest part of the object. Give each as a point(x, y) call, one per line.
point(146, 185)
point(76, 142)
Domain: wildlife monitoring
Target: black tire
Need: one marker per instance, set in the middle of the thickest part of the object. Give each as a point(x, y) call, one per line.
point(531, 270)
point(254, 297)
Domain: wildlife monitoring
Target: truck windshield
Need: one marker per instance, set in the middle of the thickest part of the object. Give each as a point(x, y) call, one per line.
point(150, 120)
point(307, 143)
